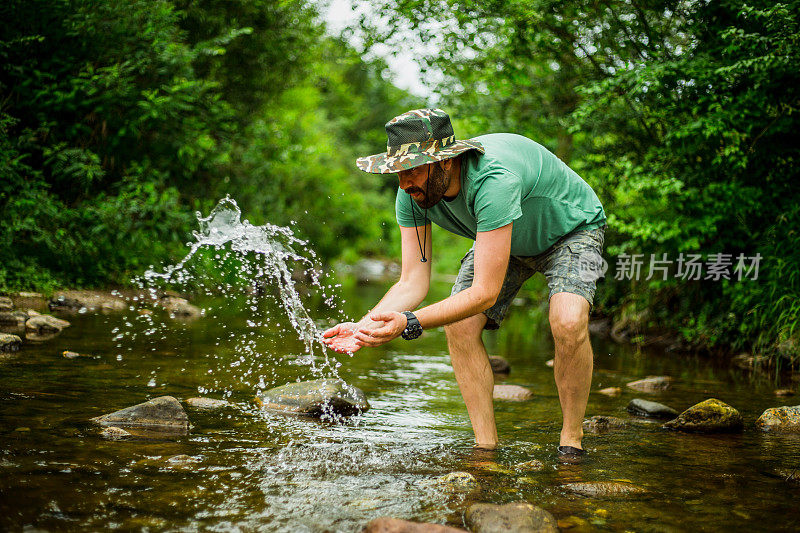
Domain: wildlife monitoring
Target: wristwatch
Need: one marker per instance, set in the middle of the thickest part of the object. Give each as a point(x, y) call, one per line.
point(413, 328)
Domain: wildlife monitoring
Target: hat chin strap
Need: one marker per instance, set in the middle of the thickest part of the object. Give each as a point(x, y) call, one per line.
point(422, 244)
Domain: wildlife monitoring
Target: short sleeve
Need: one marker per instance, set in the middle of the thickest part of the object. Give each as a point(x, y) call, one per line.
point(497, 200)
point(403, 206)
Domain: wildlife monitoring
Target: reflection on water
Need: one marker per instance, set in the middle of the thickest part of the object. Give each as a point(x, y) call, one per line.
point(245, 469)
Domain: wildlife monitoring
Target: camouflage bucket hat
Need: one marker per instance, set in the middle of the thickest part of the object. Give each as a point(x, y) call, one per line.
point(416, 138)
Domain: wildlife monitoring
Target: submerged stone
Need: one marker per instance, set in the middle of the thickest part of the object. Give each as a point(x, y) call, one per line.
point(610, 391)
point(207, 403)
point(499, 365)
point(512, 393)
point(784, 392)
point(527, 466)
point(457, 482)
point(517, 517)
point(651, 384)
point(710, 415)
point(315, 398)
point(387, 524)
point(604, 489)
point(9, 343)
point(115, 433)
point(603, 424)
point(780, 419)
point(164, 413)
point(646, 408)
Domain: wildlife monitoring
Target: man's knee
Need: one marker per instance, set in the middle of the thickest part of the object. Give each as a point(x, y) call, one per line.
point(569, 325)
point(465, 332)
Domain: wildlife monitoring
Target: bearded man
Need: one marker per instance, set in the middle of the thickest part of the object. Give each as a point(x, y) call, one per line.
point(527, 212)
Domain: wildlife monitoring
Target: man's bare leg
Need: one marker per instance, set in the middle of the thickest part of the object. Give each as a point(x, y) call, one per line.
point(474, 375)
point(569, 323)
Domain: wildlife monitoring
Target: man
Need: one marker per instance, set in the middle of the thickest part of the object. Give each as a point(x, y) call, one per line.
point(527, 212)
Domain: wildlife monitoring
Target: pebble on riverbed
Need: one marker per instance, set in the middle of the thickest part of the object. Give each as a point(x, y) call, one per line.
point(457, 482)
point(603, 424)
point(115, 433)
point(710, 415)
point(780, 419)
point(605, 489)
point(517, 517)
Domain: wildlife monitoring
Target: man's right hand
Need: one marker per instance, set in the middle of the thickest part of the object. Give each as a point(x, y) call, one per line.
point(340, 338)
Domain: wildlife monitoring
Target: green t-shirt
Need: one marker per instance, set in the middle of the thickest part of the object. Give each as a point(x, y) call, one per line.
point(516, 180)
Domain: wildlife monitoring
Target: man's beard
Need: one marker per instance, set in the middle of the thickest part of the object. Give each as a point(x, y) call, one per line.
point(434, 189)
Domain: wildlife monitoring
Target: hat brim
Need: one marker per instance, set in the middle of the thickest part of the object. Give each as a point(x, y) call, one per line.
point(384, 164)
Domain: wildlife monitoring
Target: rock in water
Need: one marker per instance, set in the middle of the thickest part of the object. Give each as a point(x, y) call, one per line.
point(387, 524)
point(115, 433)
point(604, 489)
point(513, 393)
point(6, 304)
point(44, 327)
point(610, 391)
point(457, 482)
point(603, 424)
point(207, 403)
point(163, 413)
point(9, 343)
point(179, 307)
point(499, 365)
point(710, 415)
point(650, 409)
point(91, 301)
point(786, 419)
point(315, 398)
point(517, 517)
point(651, 384)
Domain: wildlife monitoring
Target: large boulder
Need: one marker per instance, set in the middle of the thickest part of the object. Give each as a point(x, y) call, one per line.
point(604, 489)
point(164, 413)
point(517, 517)
point(651, 384)
point(710, 416)
point(92, 301)
point(387, 524)
point(646, 408)
point(511, 393)
point(315, 398)
point(603, 424)
point(780, 419)
point(9, 343)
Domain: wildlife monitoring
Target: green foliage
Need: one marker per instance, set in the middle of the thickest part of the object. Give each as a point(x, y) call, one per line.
point(120, 119)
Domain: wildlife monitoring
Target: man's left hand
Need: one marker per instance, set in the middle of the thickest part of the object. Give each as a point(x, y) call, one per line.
point(393, 326)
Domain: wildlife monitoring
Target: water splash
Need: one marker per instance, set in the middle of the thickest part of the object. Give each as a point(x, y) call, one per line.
point(267, 261)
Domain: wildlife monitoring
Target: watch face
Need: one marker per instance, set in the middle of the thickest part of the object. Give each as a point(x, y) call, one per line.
point(412, 331)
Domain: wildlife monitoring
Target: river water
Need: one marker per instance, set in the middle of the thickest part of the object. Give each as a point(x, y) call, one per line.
point(247, 470)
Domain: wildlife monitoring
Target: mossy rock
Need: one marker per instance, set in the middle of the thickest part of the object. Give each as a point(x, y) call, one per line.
point(708, 416)
point(784, 419)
